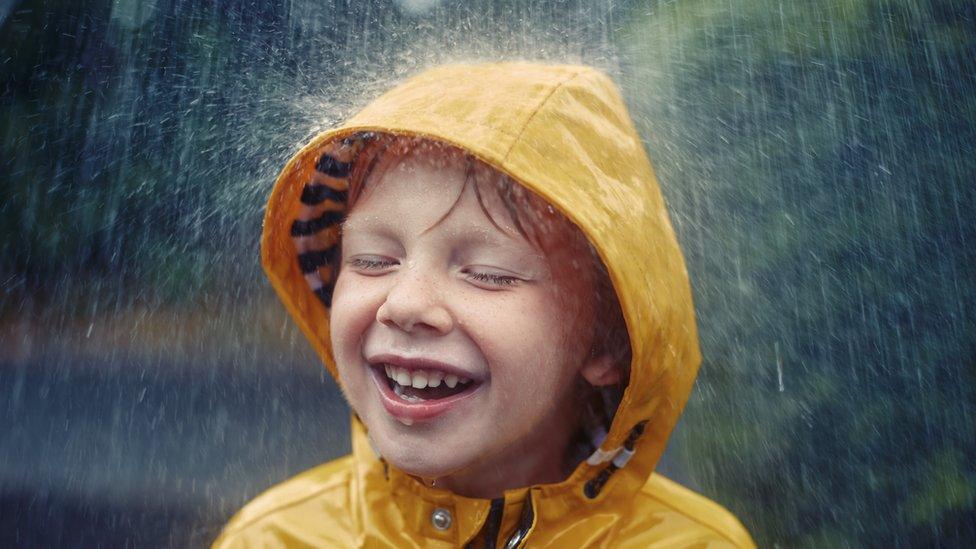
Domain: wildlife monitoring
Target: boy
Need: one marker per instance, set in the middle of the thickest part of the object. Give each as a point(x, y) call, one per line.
point(484, 261)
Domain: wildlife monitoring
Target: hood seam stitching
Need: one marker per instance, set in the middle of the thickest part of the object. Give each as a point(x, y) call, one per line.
point(535, 111)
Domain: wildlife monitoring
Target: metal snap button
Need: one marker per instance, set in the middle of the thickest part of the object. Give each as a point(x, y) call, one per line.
point(441, 518)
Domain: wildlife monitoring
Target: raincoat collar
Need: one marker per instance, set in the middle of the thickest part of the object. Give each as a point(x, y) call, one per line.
point(413, 503)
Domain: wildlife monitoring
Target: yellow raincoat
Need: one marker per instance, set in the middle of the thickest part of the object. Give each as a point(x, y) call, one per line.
point(563, 132)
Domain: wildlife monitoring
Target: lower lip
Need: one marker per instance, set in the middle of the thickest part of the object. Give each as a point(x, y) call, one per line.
point(417, 411)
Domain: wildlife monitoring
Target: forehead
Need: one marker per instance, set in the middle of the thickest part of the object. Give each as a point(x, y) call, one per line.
point(426, 186)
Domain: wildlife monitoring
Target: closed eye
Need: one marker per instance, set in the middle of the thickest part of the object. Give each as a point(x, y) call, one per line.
point(491, 279)
point(371, 263)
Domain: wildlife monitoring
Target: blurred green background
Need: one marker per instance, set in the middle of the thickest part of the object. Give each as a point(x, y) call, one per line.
point(817, 157)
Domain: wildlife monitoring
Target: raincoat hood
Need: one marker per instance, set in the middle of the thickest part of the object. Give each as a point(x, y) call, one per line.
point(564, 133)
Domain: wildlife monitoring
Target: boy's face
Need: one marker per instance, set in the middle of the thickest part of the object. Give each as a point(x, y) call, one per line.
point(434, 292)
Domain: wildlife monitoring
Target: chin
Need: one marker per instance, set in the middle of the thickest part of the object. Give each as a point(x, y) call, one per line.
point(419, 457)
point(429, 469)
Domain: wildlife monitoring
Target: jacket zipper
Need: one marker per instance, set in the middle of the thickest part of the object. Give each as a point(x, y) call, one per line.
point(494, 522)
point(525, 524)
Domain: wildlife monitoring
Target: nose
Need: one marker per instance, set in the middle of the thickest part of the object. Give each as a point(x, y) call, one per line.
point(414, 303)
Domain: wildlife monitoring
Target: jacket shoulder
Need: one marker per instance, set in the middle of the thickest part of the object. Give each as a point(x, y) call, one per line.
point(686, 518)
point(310, 509)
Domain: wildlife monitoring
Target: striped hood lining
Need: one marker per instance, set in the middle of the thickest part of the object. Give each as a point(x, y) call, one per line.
point(324, 199)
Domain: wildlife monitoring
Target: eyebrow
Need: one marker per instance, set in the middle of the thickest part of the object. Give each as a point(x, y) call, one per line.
point(466, 236)
point(375, 225)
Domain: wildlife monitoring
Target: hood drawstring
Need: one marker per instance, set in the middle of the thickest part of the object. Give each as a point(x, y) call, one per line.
point(618, 459)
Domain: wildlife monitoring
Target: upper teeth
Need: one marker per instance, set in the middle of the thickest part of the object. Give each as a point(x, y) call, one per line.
point(419, 379)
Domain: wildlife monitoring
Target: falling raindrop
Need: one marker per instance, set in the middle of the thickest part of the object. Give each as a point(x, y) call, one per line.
point(817, 162)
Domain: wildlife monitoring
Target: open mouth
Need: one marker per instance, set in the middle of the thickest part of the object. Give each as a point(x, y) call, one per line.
point(419, 385)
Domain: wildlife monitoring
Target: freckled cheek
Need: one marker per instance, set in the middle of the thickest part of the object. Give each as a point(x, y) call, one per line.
point(353, 311)
point(521, 342)
point(349, 323)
